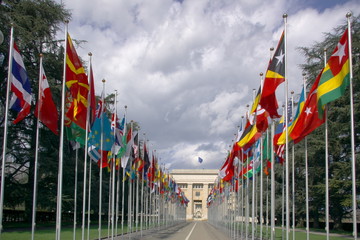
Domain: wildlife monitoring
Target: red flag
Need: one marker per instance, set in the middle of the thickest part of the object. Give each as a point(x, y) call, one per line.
point(92, 101)
point(308, 119)
point(77, 83)
point(103, 162)
point(274, 77)
point(45, 109)
point(227, 170)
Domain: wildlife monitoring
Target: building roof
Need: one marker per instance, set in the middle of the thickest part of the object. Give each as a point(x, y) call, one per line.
point(194, 172)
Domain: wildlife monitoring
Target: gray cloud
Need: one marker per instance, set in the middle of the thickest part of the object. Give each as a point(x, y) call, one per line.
point(186, 69)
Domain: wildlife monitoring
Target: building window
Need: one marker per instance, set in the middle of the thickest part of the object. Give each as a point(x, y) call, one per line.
point(182, 185)
point(211, 185)
point(197, 194)
point(198, 185)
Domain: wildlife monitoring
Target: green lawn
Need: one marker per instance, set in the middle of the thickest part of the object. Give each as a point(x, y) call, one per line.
point(315, 234)
point(48, 233)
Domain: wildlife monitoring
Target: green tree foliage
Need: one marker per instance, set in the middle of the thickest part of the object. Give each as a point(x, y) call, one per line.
point(340, 185)
point(36, 24)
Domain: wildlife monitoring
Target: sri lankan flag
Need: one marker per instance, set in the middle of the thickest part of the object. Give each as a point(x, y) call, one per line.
point(273, 78)
point(336, 74)
point(77, 85)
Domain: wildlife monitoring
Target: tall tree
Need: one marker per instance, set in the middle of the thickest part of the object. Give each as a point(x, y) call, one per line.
point(339, 133)
point(35, 27)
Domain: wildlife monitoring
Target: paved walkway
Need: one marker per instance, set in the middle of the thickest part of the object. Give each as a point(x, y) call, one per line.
point(196, 230)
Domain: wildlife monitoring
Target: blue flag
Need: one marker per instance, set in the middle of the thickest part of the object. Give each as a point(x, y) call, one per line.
point(200, 160)
point(108, 134)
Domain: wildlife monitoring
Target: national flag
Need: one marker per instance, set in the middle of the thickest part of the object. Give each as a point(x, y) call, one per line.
point(92, 100)
point(200, 160)
point(279, 148)
point(309, 117)
point(258, 114)
point(45, 108)
point(255, 163)
point(77, 83)
point(100, 106)
point(135, 144)
point(254, 107)
point(227, 170)
point(115, 128)
point(335, 76)
point(262, 122)
point(275, 75)
point(98, 156)
point(146, 159)
point(102, 124)
point(249, 137)
point(151, 172)
point(129, 146)
point(75, 133)
point(20, 86)
point(300, 105)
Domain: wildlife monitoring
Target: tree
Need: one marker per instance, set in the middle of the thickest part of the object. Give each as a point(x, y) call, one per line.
point(340, 186)
point(35, 26)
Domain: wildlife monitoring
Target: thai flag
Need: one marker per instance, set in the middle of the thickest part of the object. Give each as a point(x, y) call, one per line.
point(20, 86)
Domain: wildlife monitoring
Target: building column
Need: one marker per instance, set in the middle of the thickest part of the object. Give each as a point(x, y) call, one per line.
point(190, 208)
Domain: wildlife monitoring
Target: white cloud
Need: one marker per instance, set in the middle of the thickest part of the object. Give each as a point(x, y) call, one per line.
point(186, 70)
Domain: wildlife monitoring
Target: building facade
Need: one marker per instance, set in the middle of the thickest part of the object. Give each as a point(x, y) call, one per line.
point(196, 184)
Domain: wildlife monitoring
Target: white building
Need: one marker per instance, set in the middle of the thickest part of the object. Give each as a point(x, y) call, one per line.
point(196, 184)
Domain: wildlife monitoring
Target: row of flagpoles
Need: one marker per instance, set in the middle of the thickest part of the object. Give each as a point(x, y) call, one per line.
point(230, 197)
point(153, 198)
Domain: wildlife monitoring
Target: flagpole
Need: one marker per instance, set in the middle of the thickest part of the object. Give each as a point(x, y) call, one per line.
point(142, 191)
point(261, 190)
point(327, 227)
point(242, 187)
point(267, 186)
point(272, 183)
point(100, 168)
point(61, 156)
point(36, 154)
point(286, 134)
point(306, 176)
point(86, 149)
point(117, 199)
point(123, 201)
point(11, 47)
point(353, 159)
point(242, 199)
point(109, 201)
point(283, 202)
point(253, 195)
point(75, 190)
point(261, 180)
point(130, 189)
point(113, 174)
point(293, 170)
point(123, 185)
point(89, 202)
point(129, 229)
point(137, 194)
point(247, 202)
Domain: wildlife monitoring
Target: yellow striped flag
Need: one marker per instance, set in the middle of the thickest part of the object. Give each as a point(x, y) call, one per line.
point(336, 74)
point(301, 102)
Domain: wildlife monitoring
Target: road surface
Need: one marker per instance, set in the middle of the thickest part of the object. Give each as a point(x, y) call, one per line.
point(196, 230)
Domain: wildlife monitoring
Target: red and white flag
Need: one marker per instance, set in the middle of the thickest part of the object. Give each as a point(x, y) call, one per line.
point(45, 108)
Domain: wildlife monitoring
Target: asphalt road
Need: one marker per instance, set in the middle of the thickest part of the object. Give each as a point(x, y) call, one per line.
point(196, 230)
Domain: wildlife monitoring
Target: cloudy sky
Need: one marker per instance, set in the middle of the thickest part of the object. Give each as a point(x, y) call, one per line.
point(186, 69)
